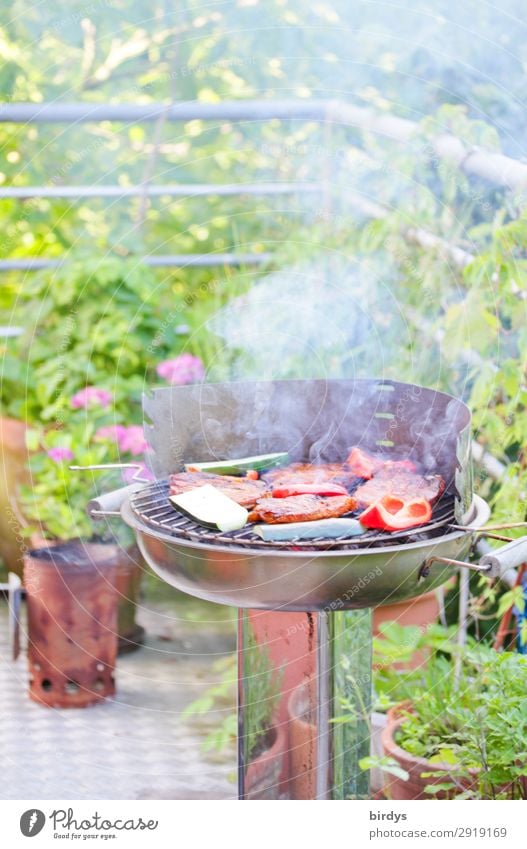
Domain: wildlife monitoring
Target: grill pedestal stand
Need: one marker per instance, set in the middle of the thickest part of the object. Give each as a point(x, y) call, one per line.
point(304, 704)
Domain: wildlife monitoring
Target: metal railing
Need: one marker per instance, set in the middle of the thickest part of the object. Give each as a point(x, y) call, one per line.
point(490, 165)
point(75, 113)
point(495, 167)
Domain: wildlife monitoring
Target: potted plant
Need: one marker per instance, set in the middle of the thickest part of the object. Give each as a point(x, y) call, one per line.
point(400, 658)
point(460, 728)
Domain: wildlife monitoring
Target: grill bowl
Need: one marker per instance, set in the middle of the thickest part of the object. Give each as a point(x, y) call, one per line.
point(271, 578)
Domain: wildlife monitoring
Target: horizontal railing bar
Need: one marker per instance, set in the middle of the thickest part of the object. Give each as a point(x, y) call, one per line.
point(492, 166)
point(7, 332)
point(175, 190)
point(225, 110)
point(182, 260)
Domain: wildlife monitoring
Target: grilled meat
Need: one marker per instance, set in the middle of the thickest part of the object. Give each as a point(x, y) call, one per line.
point(300, 508)
point(308, 473)
point(392, 477)
point(242, 490)
point(366, 466)
point(401, 484)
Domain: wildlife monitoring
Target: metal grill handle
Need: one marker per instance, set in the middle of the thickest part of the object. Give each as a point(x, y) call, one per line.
point(110, 503)
point(509, 556)
point(492, 565)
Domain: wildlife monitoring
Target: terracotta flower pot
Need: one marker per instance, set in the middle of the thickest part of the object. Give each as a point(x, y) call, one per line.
point(262, 780)
point(414, 787)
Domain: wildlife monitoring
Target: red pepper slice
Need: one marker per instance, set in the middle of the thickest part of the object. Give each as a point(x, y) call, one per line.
point(326, 488)
point(394, 514)
point(360, 464)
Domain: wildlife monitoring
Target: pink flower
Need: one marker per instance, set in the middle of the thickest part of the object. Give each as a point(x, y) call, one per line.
point(91, 396)
point(181, 370)
point(112, 433)
point(58, 454)
point(132, 440)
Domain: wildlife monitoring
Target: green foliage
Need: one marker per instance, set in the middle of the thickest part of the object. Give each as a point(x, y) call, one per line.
point(55, 499)
point(467, 710)
point(90, 323)
point(512, 598)
point(394, 681)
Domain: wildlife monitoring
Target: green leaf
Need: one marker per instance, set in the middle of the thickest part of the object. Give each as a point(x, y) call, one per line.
point(512, 598)
point(433, 789)
point(385, 763)
point(444, 756)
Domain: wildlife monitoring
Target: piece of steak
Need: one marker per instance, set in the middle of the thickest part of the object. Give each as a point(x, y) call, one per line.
point(300, 508)
point(242, 490)
point(400, 483)
point(367, 466)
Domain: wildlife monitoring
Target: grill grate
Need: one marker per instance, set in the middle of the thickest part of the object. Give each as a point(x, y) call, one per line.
point(151, 505)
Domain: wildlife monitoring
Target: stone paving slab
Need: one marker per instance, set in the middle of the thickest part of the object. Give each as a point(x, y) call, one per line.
point(134, 746)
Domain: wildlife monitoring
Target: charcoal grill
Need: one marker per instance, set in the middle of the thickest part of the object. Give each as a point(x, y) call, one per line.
point(305, 606)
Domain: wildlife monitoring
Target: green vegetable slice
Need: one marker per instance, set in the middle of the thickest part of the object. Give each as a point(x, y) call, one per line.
point(237, 467)
point(329, 528)
point(211, 508)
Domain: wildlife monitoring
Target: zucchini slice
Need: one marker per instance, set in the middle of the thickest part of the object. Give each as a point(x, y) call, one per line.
point(260, 463)
point(211, 508)
point(329, 528)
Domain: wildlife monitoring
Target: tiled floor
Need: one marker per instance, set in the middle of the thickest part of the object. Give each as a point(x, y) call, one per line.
point(135, 746)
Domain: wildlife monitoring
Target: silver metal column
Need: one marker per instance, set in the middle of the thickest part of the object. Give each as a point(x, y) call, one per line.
point(304, 704)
